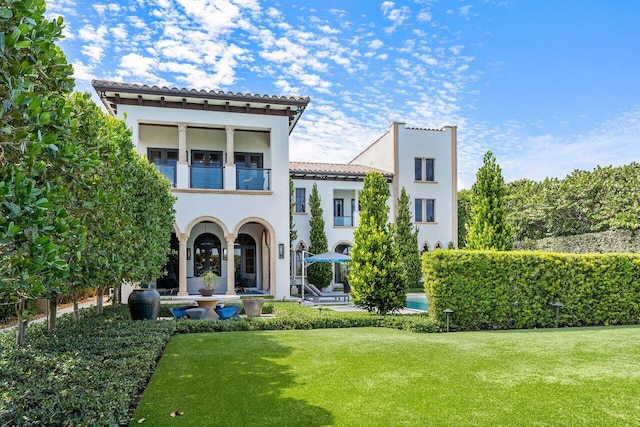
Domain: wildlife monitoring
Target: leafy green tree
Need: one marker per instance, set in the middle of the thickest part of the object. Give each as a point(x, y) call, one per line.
point(488, 228)
point(464, 209)
point(319, 273)
point(34, 120)
point(375, 274)
point(406, 238)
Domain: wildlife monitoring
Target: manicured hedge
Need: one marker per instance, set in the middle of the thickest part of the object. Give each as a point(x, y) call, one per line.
point(489, 290)
point(91, 372)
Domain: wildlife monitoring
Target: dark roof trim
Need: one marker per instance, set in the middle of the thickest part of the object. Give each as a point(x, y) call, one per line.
point(115, 93)
point(333, 176)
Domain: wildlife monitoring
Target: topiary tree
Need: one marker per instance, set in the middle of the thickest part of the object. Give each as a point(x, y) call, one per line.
point(34, 120)
point(319, 274)
point(488, 228)
point(406, 238)
point(375, 275)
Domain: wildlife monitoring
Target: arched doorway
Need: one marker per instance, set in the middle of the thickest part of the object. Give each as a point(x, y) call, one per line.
point(245, 261)
point(206, 249)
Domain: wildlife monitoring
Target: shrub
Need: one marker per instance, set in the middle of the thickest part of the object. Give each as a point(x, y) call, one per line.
point(489, 290)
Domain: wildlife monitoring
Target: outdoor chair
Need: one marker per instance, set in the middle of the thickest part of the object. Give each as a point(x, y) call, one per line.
point(317, 293)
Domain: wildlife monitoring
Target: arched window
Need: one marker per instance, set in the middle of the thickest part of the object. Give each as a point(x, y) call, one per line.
point(425, 248)
point(207, 254)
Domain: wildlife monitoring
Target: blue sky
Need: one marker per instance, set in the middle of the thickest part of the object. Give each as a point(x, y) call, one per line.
point(549, 86)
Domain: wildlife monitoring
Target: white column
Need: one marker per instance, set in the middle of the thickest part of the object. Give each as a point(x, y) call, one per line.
point(182, 143)
point(231, 271)
point(230, 165)
point(230, 155)
point(182, 264)
point(182, 175)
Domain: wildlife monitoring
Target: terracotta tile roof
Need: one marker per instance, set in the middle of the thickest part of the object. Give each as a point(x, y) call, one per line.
point(208, 94)
point(113, 94)
point(332, 171)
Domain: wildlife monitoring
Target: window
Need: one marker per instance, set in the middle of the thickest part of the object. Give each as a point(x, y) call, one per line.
point(206, 169)
point(165, 160)
point(339, 218)
point(206, 158)
point(425, 210)
point(300, 200)
point(424, 169)
point(249, 172)
point(249, 160)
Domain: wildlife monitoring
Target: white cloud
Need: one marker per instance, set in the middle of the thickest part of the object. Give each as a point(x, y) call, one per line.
point(376, 44)
point(424, 16)
point(119, 32)
point(328, 30)
point(396, 15)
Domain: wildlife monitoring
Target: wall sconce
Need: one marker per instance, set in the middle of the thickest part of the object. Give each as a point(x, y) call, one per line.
point(188, 253)
point(224, 254)
point(281, 250)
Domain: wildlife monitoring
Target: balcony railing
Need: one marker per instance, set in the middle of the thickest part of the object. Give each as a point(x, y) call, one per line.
point(343, 221)
point(169, 171)
point(210, 177)
point(253, 179)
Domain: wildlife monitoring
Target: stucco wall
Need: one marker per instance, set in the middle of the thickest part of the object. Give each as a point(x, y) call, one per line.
point(230, 207)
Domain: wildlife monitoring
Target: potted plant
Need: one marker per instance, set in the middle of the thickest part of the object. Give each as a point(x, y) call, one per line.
point(209, 281)
point(252, 306)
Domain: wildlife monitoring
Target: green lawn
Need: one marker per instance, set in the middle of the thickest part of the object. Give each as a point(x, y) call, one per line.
point(384, 377)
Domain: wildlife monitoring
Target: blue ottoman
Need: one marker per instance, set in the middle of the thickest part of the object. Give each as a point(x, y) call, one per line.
point(226, 313)
point(197, 313)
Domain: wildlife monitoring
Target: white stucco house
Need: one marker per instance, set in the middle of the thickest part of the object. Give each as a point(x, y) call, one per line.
point(226, 156)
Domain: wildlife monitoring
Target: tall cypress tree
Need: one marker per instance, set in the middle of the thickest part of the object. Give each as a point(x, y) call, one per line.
point(406, 237)
point(374, 273)
point(487, 227)
point(319, 274)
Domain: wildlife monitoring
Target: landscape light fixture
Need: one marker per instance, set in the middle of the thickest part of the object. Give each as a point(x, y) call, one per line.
point(448, 311)
point(557, 305)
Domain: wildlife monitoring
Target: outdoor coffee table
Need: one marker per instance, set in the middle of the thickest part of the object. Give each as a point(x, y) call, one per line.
point(208, 302)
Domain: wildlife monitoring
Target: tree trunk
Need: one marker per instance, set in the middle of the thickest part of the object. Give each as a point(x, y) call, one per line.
point(99, 300)
point(76, 309)
point(52, 313)
point(22, 323)
point(117, 291)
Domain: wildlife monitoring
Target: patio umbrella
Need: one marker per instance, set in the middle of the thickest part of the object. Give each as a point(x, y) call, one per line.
point(332, 257)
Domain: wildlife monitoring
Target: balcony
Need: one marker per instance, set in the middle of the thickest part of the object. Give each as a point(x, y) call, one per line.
point(343, 221)
point(209, 177)
point(169, 172)
point(253, 179)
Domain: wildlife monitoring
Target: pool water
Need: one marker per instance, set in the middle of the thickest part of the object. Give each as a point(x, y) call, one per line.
point(417, 302)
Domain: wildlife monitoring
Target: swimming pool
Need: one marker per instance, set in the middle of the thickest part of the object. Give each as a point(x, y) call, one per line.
point(417, 302)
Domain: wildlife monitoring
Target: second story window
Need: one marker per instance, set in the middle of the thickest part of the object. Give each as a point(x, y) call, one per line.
point(165, 160)
point(206, 169)
point(248, 160)
point(424, 169)
point(250, 174)
point(300, 200)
